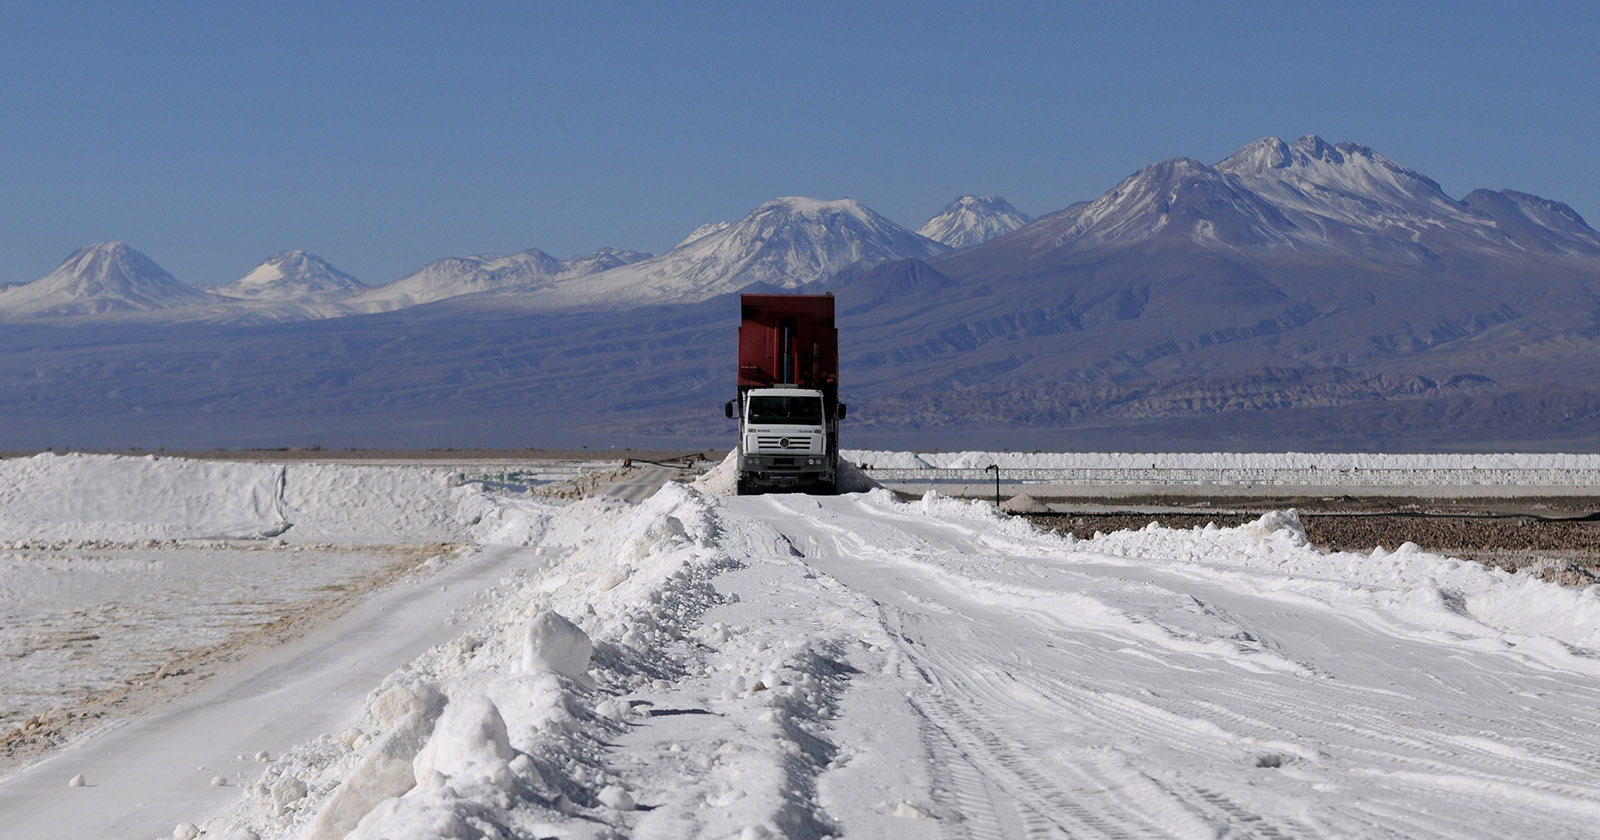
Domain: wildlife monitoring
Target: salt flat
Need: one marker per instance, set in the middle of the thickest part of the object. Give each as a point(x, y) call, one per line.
point(862, 665)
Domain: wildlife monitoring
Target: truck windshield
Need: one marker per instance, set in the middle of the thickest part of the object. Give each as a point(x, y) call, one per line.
point(793, 411)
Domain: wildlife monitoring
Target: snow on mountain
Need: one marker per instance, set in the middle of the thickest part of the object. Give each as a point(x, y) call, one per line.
point(1190, 300)
point(785, 243)
point(106, 277)
point(1346, 180)
point(706, 230)
point(973, 220)
point(1535, 223)
point(292, 275)
point(602, 259)
point(456, 276)
point(1551, 214)
point(1332, 202)
point(523, 271)
point(1272, 200)
point(1350, 197)
point(1313, 181)
point(1181, 197)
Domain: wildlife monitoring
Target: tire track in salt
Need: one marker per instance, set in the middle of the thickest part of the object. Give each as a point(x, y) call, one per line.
point(973, 709)
point(1008, 796)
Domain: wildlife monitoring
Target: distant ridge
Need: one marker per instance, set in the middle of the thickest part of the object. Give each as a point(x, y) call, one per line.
point(524, 271)
point(455, 276)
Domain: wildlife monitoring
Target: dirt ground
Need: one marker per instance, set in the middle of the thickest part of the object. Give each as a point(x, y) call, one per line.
point(1556, 538)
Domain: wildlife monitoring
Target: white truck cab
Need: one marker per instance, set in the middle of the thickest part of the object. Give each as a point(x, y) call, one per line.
point(784, 437)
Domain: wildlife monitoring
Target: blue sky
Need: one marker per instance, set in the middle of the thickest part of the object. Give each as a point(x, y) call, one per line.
point(382, 136)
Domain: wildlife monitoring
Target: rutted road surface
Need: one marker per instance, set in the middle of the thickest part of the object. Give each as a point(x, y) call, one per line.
point(1207, 683)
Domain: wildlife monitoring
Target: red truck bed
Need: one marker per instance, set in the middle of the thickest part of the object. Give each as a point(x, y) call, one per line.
point(789, 340)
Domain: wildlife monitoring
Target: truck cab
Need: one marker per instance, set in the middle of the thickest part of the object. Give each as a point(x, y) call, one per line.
point(785, 440)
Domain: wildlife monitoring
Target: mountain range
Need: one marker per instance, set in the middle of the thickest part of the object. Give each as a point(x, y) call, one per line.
point(784, 244)
point(1295, 295)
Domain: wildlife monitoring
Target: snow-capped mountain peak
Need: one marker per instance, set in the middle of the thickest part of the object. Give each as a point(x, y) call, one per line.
point(790, 212)
point(1179, 197)
point(1265, 154)
point(293, 275)
point(1346, 182)
point(1271, 153)
point(785, 243)
point(107, 267)
point(105, 277)
point(973, 220)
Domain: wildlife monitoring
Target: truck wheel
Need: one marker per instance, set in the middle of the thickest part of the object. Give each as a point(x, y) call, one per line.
point(742, 487)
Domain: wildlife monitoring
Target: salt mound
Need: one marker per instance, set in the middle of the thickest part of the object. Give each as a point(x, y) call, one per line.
point(853, 480)
point(722, 479)
point(1024, 503)
point(384, 772)
point(468, 742)
point(553, 643)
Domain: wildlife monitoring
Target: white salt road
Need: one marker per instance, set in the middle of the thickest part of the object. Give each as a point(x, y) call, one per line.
point(640, 484)
point(150, 774)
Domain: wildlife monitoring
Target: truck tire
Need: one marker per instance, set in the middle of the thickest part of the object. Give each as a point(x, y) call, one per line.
point(742, 487)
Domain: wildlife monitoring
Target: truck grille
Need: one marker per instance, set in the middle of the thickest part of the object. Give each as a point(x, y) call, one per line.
point(797, 443)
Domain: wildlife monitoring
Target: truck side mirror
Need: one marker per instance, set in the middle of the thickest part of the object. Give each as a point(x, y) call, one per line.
point(841, 410)
point(727, 409)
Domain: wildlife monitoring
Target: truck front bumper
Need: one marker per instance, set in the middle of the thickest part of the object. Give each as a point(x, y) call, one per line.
point(785, 470)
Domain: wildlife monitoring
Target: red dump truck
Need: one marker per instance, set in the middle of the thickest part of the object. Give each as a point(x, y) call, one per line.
point(788, 406)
